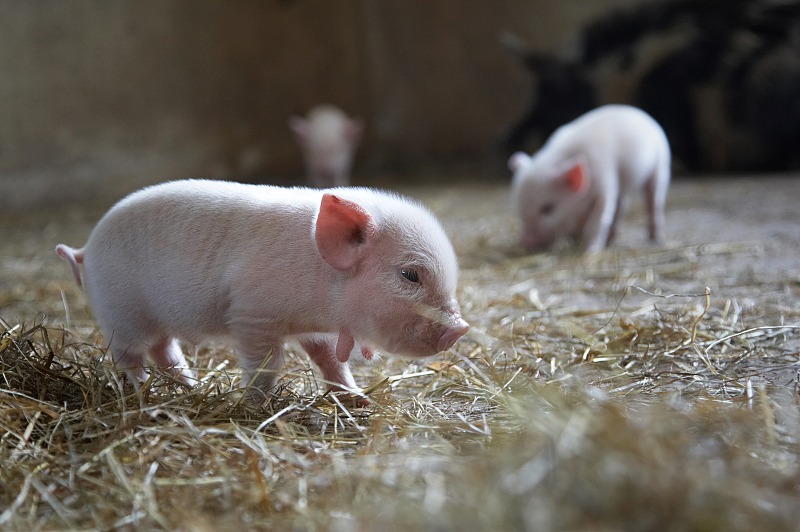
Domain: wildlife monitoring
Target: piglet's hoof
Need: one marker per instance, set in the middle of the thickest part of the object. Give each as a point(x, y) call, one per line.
point(348, 399)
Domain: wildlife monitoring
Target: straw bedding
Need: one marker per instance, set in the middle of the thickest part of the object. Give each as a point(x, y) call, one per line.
point(645, 388)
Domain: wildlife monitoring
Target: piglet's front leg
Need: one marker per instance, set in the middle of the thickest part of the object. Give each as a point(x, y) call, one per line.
point(598, 224)
point(323, 350)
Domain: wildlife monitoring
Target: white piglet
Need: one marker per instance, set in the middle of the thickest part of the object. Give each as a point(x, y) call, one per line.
point(580, 182)
point(197, 259)
point(329, 140)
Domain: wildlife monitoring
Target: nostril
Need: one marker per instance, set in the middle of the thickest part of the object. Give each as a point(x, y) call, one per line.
point(452, 334)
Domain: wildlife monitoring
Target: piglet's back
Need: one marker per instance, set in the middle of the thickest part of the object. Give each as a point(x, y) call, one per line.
point(177, 244)
point(196, 220)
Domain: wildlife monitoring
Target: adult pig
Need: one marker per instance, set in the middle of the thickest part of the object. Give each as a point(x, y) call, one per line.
point(580, 182)
point(196, 259)
point(329, 140)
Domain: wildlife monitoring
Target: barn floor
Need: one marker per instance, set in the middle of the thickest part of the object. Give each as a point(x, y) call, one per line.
point(647, 387)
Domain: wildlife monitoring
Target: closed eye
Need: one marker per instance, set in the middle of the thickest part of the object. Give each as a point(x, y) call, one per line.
point(411, 274)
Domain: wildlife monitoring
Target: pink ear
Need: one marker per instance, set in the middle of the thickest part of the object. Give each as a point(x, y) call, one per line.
point(342, 227)
point(299, 127)
point(516, 161)
point(575, 177)
point(353, 130)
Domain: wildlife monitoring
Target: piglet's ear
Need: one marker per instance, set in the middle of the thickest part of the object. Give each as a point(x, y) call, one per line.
point(353, 130)
point(516, 161)
point(576, 177)
point(299, 127)
point(342, 228)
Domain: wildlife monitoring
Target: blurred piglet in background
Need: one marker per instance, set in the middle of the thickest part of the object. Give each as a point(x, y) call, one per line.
point(580, 182)
point(258, 264)
point(329, 140)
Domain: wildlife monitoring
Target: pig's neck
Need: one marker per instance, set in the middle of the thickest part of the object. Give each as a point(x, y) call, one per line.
point(328, 300)
point(316, 300)
point(286, 287)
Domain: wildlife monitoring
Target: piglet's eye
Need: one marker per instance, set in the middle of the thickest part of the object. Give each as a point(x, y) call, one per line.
point(411, 274)
point(548, 208)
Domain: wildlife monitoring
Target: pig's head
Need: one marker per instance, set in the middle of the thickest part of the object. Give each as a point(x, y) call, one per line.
point(399, 271)
point(548, 198)
point(329, 140)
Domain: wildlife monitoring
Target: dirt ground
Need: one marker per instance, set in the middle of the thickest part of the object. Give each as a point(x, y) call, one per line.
point(648, 387)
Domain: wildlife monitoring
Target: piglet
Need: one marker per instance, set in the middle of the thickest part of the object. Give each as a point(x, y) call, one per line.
point(260, 264)
point(329, 140)
point(580, 182)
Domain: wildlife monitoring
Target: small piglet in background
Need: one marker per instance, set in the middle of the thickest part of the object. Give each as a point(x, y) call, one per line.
point(580, 182)
point(329, 140)
point(259, 264)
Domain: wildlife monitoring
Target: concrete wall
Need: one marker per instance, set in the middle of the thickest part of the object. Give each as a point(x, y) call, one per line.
point(99, 97)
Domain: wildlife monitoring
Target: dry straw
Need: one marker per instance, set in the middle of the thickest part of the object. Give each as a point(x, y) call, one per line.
point(611, 393)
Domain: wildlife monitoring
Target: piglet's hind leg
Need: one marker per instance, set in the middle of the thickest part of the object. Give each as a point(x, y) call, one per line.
point(261, 358)
point(655, 193)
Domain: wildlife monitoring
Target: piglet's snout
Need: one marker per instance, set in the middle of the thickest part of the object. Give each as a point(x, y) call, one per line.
point(453, 333)
point(535, 242)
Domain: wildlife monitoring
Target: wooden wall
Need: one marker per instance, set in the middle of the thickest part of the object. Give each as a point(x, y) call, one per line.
point(98, 97)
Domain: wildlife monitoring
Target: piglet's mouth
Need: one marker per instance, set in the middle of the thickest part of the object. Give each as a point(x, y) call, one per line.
point(536, 245)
